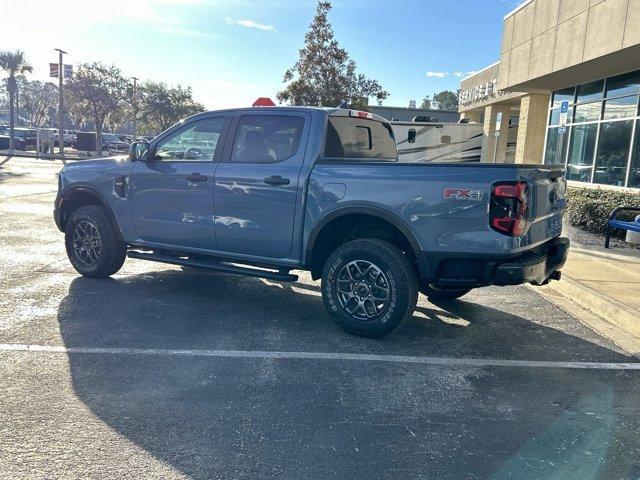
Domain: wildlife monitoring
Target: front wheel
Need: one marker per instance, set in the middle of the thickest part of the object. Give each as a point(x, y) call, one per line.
point(442, 293)
point(369, 287)
point(92, 244)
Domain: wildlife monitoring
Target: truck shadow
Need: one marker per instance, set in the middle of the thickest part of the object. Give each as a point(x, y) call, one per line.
point(267, 418)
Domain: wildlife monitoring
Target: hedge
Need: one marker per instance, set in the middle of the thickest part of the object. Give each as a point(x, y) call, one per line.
point(589, 208)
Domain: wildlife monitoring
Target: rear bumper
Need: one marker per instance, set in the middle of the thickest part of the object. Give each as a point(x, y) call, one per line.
point(533, 267)
point(536, 266)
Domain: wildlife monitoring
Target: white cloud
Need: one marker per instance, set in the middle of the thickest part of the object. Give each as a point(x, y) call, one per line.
point(464, 74)
point(436, 74)
point(250, 24)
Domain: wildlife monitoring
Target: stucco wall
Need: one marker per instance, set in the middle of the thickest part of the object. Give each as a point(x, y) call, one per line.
point(543, 37)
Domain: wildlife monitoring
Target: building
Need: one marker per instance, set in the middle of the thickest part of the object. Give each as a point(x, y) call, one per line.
point(404, 114)
point(582, 56)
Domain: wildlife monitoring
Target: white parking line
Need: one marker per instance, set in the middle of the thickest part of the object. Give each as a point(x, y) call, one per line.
point(360, 357)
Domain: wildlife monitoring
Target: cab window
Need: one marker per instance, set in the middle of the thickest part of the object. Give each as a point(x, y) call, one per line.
point(195, 142)
point(266, 138)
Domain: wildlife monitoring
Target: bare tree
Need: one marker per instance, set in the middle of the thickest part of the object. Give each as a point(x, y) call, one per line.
point(95, 92)
point(39, 102)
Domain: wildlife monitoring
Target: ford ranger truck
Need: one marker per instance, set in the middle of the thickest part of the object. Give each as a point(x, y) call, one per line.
point(267, 191)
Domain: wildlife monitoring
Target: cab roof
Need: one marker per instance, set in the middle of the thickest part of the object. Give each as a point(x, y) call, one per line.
point(332, 112)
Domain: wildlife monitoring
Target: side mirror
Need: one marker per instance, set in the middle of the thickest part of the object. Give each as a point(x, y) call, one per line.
point(446, 139)
point(138, 151)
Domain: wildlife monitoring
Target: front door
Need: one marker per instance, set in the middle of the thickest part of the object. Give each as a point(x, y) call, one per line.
point(256, 188)
point(172, 192)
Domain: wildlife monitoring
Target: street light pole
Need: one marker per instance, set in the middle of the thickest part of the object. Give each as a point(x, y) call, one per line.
point(135, 107)
point(60, 102)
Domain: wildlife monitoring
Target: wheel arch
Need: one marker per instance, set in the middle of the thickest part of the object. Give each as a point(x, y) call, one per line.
point(349, 223)
point(77, 196)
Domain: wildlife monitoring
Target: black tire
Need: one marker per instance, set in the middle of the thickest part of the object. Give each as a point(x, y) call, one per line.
point(105, 260)
point(443, 293)
point(397, 274)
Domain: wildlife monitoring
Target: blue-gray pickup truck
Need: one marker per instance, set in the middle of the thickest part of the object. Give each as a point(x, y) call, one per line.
point(264, 191)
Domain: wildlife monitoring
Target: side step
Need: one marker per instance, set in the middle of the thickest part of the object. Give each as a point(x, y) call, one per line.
point(281, 276)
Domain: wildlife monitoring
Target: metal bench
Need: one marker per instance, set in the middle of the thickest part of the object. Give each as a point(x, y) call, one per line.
point(612, 222)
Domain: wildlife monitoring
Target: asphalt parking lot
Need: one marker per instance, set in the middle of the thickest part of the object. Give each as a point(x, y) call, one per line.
point(163, 373)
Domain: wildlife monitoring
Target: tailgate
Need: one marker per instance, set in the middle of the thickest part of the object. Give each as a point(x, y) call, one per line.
point(548, 188)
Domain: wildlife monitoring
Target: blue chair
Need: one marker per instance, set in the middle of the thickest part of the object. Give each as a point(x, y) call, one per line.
point(614, 223)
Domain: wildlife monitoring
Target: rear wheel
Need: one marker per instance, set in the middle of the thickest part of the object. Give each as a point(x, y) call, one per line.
point(93, 246)
point(442, 293)
point(369, 287)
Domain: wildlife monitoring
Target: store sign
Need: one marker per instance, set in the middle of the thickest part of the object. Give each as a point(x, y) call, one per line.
point(479, 93)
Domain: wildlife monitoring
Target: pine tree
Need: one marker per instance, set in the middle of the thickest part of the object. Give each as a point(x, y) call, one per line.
point(324, 75)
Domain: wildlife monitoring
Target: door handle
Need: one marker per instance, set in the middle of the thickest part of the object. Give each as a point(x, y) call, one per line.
point(276, 180)
point(196, 177)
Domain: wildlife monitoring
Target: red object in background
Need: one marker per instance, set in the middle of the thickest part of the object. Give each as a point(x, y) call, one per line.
point(263, 102)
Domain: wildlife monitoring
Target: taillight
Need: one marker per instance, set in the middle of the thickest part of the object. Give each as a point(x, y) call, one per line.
point(508, 208)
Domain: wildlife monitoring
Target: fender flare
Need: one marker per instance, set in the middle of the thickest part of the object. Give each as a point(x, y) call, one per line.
point(81, 188)
point(362, 210)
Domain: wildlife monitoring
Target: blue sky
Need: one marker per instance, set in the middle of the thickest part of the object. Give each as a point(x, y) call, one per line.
point(232, 51)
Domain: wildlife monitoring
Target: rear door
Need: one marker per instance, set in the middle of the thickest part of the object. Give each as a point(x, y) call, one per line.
point(172, 192)
point(256, 187)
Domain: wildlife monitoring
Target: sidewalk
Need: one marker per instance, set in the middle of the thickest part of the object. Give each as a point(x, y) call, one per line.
point(602, 289)
point(69, 155)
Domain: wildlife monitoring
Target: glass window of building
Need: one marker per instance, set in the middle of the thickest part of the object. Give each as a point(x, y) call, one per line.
point(556, 150)
point(613, 153)
point(634, 171)
point(554, 117)
point(598, 148)
point(623, 107)
point(627, 84)
point(590, 91)
point(581, 151)
point(563, 95)
point(587, 112)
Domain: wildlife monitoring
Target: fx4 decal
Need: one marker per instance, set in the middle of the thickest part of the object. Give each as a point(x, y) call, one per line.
point(462, 194)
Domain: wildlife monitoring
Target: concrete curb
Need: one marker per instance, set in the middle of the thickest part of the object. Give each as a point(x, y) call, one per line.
point(629, 255)
point(625, 320)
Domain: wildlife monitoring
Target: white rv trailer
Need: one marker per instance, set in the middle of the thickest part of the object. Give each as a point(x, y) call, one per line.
point(424, 142)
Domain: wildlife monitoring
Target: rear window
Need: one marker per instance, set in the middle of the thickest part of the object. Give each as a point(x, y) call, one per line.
point(349, 137)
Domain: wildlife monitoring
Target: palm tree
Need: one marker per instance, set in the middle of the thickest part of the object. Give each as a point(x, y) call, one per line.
point(13, 63)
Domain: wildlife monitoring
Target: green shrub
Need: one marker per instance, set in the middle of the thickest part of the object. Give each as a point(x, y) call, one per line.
point(589, 208)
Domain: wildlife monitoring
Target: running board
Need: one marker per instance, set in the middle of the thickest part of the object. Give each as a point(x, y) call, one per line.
point(281, 276)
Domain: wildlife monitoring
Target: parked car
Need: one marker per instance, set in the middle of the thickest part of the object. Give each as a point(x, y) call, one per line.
point(71, 136)
point(262, 192)
point(113, 143)
point(23, 138)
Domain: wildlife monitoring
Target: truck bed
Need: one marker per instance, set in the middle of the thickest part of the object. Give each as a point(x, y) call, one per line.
point(415, 193)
